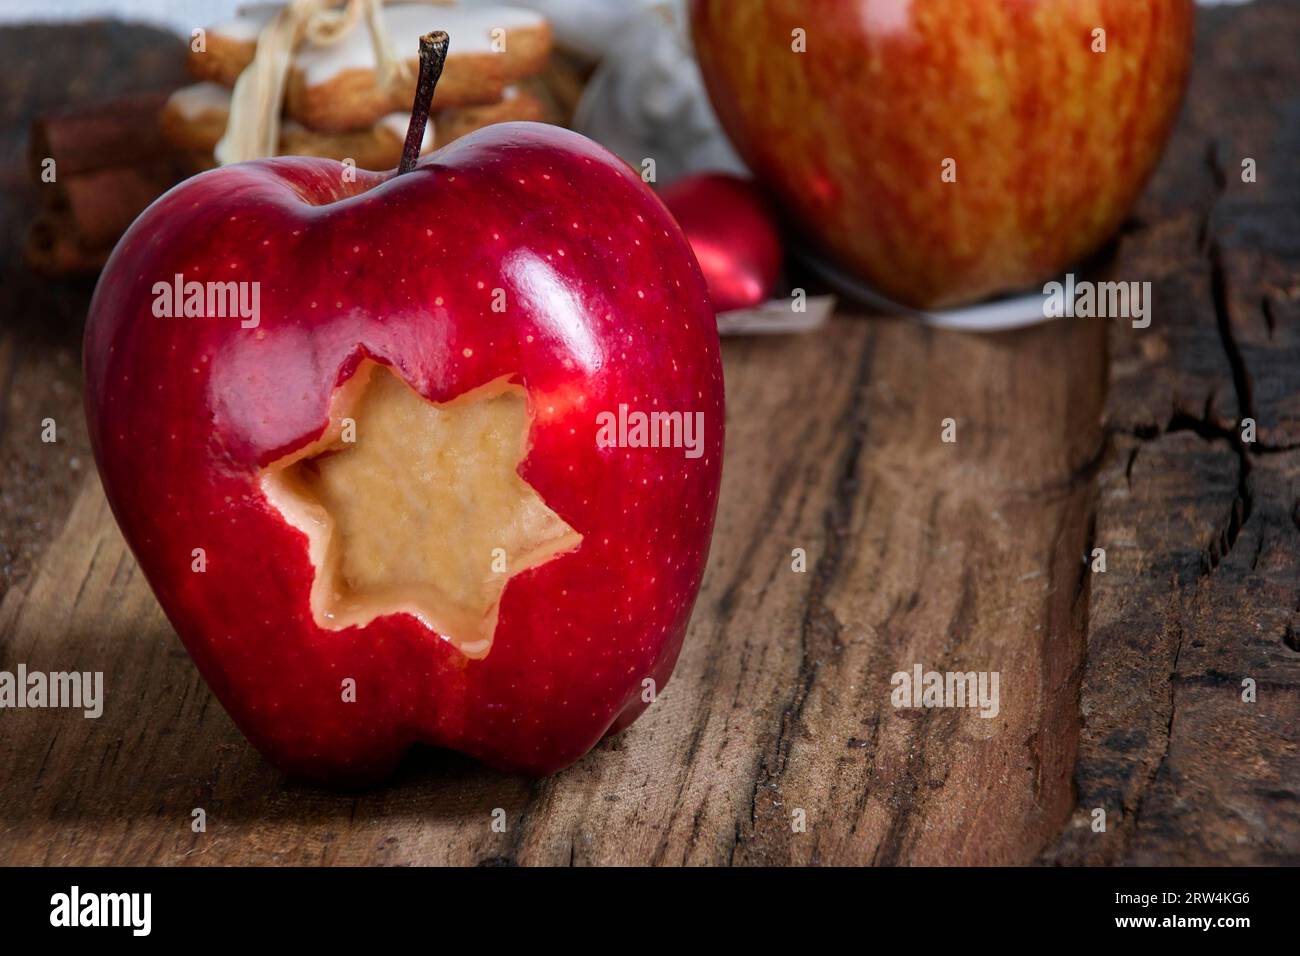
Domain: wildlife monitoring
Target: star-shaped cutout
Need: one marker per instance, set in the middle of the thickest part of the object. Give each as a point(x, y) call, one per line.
point(417, 507)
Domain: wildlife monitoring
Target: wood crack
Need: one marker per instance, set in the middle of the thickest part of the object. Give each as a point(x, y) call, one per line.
point(819, 627)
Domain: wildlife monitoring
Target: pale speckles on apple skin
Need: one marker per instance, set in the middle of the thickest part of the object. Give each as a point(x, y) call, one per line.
point(577, 635)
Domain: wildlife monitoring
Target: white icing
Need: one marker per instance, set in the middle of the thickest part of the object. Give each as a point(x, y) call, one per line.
point(247, 23)
point(470, 30)
point(193, 101)
point(397, 123)
point(200, 98)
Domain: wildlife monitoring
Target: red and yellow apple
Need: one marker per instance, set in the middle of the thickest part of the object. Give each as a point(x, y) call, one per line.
point(946, 150)
point(369, 487)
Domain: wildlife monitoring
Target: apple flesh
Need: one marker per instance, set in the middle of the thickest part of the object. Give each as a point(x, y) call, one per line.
point(378, 514)
point(391, 515)
point(1046, 142)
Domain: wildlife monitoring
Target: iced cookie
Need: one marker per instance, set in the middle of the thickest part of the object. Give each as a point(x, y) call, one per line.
point(194, 119)
point(335, 87)
point(516, 103)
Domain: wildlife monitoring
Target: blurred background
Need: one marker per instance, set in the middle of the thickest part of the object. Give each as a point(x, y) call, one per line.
point(620, 71)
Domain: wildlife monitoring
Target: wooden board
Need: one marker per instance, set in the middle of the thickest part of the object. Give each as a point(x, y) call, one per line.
point(1118, 690)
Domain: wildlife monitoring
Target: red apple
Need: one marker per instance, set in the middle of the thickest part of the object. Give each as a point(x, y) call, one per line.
point(733, 234)
point(1047, 138)
point(482, 565)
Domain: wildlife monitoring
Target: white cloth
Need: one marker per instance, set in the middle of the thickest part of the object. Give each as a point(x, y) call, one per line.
point(647, 100)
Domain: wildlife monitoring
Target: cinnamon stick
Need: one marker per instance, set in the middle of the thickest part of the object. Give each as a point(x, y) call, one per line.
point(110, 162)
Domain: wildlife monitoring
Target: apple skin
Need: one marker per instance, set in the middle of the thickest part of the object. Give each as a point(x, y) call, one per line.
point(1052, 142)
point(733, 234)
point(184, 413)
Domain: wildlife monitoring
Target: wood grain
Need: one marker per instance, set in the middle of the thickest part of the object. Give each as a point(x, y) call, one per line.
point(1118, 690)
point(1201, 527)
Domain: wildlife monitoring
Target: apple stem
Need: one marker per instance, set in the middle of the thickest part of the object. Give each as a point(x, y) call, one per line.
point(433, 54)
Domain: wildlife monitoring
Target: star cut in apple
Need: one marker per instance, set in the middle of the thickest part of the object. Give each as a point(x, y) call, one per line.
point(417, 507)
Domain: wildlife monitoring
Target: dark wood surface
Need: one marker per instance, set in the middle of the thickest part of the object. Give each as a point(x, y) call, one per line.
point(1120, 691)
